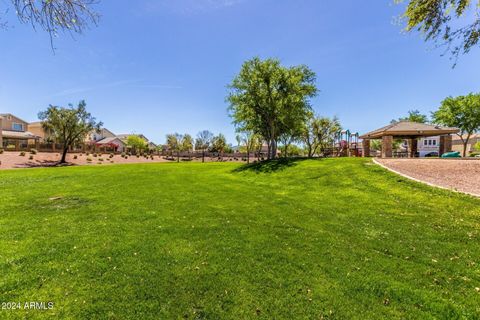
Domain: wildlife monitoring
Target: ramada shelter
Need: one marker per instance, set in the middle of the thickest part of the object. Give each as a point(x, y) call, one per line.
point(410, 131)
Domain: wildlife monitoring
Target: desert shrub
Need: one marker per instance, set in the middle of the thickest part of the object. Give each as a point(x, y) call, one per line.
point(123, 155)
point(31, 157)
point(100, 159)
point(89, 159)
point(22, 154)
point(33, 151)
point(111, 155)
point(75, 157)
point(1, 150)
point(95, 155)
point(474, 154)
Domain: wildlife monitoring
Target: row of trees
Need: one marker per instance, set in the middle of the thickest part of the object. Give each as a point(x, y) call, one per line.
point(205, 142)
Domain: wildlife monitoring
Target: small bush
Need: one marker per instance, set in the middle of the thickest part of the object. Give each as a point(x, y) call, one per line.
point(33, 151)
point(100, 159)
point(95, 155)
point(1, 150)
point(89, 159)
point(75, 157)
point(31, 157)
point(22, 154)
point(111, 155)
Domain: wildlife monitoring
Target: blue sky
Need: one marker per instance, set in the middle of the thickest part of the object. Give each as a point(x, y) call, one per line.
point(162, 66)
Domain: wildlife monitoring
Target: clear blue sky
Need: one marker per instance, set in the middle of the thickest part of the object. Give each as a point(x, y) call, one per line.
point(161, 66)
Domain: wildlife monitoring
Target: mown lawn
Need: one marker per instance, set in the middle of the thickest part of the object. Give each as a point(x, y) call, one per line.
point(333, 239)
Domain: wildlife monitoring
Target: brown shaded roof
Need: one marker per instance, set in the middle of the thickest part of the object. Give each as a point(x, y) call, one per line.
point(19, 135)
point(408, 128)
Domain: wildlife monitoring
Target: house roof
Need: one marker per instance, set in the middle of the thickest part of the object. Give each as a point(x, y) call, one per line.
point(5, 115)
point(408, 128)
point(110, 140)
point(19, 135)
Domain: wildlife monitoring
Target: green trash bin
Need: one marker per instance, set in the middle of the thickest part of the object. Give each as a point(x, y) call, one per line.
point(455, 154)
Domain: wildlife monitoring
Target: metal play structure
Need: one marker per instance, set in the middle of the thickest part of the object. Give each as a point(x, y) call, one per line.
point(346, 144)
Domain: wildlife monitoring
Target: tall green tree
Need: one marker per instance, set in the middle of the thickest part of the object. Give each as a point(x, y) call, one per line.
point(203, 142)
point(327, 131)
point(462, 112)
point(187, 143)
point(267, 99)
point(68, 126)
point(219, 144)
point(454, 23)
point(310, 134)
point(174, 143)
point(54, 16)
point(249, 141)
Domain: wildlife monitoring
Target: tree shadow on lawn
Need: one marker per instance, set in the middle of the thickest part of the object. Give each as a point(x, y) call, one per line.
point(269, 166)
point(42, 164)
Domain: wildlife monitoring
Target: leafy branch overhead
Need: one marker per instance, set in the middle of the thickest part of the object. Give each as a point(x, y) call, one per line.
point(454, 23)
point(54, 16)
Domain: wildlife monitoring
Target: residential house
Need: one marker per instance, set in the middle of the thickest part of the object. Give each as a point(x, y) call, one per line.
point(105, 140)
point(428, 147)
point(14, 133)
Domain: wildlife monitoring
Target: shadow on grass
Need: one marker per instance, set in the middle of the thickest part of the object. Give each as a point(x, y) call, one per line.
point(42, 164)
point(269, 166)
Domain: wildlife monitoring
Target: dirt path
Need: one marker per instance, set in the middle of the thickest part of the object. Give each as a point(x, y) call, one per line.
point(455, 174)
point(13, 160)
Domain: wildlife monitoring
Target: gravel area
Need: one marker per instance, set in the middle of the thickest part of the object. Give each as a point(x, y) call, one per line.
point(456, 174)
point(13, 160)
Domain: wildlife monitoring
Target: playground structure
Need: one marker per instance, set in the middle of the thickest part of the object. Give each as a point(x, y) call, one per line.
point(346, 144)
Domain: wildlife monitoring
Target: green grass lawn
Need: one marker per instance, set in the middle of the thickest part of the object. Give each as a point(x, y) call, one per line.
point(333, 239)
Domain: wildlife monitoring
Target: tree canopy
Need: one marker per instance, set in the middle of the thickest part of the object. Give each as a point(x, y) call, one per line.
point(454, 23)
point(68, 126)
point(271, 100)
point(136, 142)
point(54, 16)
point(415, 116)
point(462, 112)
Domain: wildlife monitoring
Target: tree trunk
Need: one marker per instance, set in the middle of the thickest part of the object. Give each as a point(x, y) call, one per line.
point(465, 143)
point(203, 156)
point(248, 156)
point(64, 155)
point(273, 149)
point(178, 156)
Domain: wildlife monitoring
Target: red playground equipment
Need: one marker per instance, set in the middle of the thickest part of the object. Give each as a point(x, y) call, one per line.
point(346, 144)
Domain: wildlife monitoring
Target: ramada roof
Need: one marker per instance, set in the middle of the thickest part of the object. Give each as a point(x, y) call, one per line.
point(408, 128)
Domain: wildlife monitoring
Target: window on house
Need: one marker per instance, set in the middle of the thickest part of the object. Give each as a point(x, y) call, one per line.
point(434, 142)
point(425, 142)
point(17, 126)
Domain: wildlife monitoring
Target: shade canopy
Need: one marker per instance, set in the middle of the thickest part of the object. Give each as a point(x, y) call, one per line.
point(409, 129)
